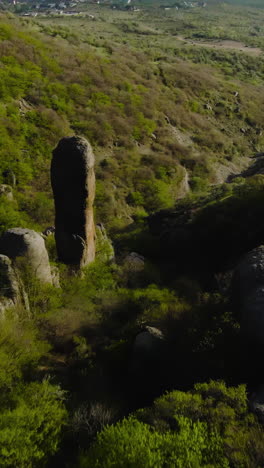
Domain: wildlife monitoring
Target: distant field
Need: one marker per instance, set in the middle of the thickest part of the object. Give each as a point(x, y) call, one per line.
point(218, 21)
point(226, 45)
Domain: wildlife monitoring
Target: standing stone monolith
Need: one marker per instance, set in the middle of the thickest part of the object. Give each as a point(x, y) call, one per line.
point(73, 185)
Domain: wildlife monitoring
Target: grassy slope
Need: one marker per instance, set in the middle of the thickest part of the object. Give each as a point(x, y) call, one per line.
point(117, 80)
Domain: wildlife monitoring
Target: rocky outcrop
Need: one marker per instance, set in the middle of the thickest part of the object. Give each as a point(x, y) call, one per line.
point(248, 294)
point(12, 292)
point(20, 242)
point(73, 184)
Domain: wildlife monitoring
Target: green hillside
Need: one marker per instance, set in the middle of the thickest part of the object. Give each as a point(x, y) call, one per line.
point(151, 105)
point(172, 102)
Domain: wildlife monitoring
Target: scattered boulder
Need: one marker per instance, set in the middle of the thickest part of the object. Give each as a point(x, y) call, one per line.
point(249, 274)
point(248, 294)
point(256, 403)
point(73, 185)
point(48, 231)
point(252, 316)
point(208, 106)
point(148, 342)
point(134, 262)
point(148, 362)
point(12, 292)
point(7, 192)
point(135, 274)
point(24, 107)
point(20, 242)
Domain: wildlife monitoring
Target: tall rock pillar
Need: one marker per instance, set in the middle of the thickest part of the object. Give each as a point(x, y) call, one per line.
point(73, 185)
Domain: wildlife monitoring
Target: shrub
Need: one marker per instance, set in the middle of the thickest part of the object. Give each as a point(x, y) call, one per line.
point(20, 350)
point(133, 444)
point(224, 410)
point(30, 429)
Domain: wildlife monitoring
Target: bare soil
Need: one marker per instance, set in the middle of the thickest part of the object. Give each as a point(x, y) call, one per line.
point(224, 44)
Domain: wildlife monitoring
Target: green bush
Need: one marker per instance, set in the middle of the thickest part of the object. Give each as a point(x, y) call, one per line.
point(30, 429)
point(133, 444)
point(20, 350)
point(223, 409)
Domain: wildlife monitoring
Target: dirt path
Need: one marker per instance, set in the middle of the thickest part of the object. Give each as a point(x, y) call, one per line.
point(224, 44)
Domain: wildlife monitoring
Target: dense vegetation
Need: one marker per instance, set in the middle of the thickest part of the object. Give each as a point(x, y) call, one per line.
point(169, 120)
point(151, 106)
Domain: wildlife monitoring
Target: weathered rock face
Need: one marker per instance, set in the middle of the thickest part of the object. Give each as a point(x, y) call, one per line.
point(12, 292)
point(73, 184)
point(20, 242)
point(248, 294)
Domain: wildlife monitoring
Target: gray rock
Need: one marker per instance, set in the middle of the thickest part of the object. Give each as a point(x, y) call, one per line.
point(12, 292)
point(48, 231)
point(148, 342)
point(248, 294)
point(252, 315)
point(20, 242)
point(249, 274)
point(134, 262)
point(7, 192)
point(148, 360)
point(208, 106)
point(73, 184)
point(256, 403)
point(147, 356)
